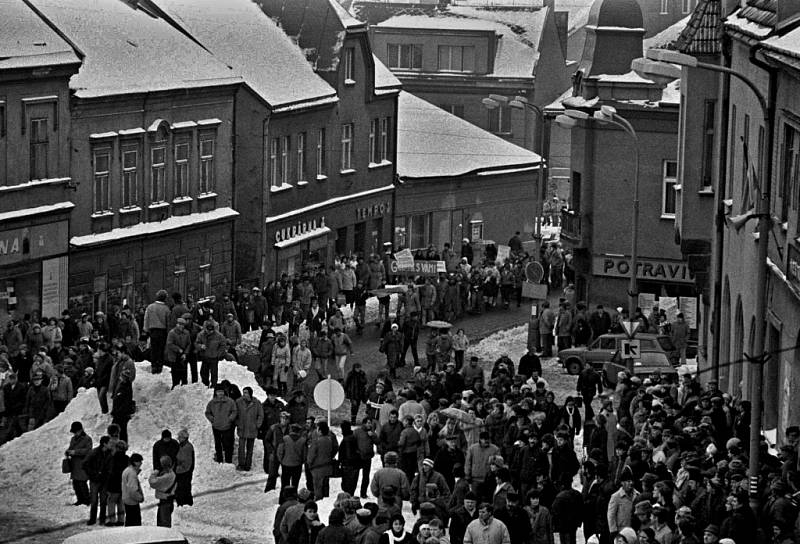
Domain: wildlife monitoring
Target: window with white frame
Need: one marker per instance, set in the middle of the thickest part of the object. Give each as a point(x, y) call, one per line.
point(348, 64)
point(300, 155)
point(347, 147)
point(790, 170)
point(208, 143)
point(374, 127)
point(404, 56)
point(384, 139)
point(709, 116)
point(500, 120)
point(158, 172)
point(274, 163)
point(130, 174)
point(321, 158)
point(686, 6)
point(456, 58)
point(670, 179)
point(285, 150)
point(205, 273)
point(181, 169)
point(664, 7)
point(102, 174)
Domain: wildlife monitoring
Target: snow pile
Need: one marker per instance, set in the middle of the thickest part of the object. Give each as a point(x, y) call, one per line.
point(30, 466)
point(512, 342)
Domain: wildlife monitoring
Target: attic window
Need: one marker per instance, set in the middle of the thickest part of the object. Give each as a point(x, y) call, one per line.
point(348, 65)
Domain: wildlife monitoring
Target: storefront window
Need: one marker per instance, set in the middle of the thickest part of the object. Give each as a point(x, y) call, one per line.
point(127, 293)
point(99, 298)
point(400, 237)
point(418, 231)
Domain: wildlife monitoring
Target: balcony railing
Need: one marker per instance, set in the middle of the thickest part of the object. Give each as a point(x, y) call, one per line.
point(571, 224)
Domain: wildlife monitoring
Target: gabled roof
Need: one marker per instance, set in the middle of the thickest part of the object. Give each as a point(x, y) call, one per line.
point(432, 143)
point(666, 38)
point(703, 33)
point(756, 19)
point(239, 34)
point(27, 42)
point(130, 50)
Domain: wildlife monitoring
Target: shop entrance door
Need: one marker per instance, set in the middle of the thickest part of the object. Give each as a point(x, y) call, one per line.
point(359, 237)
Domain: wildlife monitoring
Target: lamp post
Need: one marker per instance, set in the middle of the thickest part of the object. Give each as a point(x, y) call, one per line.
point(660, 63)
point(608, 115)
point(494, 101)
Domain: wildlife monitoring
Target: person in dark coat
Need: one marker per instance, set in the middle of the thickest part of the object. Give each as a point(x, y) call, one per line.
point(123, 407)
point(80, 446)
point(355, 390)
point(97, 466)
point(321, 453)
point(335, 532)
point(102, 371)
point(597, 491)
point(567, 510)
point(38, 400)
point(740, 524)
point(118, 462)
point(530, 363)
point(516, 519)
point(349, 459)
point(589, 384)
point(306, 529)
point(166, 446)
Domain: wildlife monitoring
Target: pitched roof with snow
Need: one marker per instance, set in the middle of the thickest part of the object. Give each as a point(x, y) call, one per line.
point(385, 80)
point(432, 143)
point(666, 38)
point(128, 50)
point(756, 19)
point(27, 42)
point(703, 32)
point(514, 56)
point(239, 34)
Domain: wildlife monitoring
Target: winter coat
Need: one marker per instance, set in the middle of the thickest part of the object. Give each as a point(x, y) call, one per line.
point(215, 344)
point(184, 458)
point(14, 399)
point(221, 413)
point(476, 465)
point(321, 454)
point(303, 532)
point(163, 448)
point(249, 417)
point(116, 371)
point(116, 466)
point(81, 446)
point(98, 464)
point(178, 343)
point(620, 510)
point(163, 482)
point(232, 331)
point(52, 334)
point(349, 455)
point(355, 386)
point(567, 510)
point(459, 521)
point(377, 275)
point(61, 389)
point(392, 345)
point(38, 402)
point(495, 532)
point(390, 476)
point(131, 488)
point(122, 399)
point(541, 525)
point(389, 437)
point(421, 480)
point(292, 451)
point(301, 359)
point(156, 316)
point(366, 443)
point(342, 345)
point(281, 360)
point(102, 371)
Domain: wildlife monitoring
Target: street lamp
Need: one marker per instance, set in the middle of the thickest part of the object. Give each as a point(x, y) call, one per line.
point(658, 62)
point(494, 101)
point(608, 115)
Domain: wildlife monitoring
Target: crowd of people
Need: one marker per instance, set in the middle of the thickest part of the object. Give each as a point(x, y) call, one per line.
point(481, 451)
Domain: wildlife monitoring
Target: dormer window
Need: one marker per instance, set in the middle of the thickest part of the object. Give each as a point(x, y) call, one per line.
point(456, 58)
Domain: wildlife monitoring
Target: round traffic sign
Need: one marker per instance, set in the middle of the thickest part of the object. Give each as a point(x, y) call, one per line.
point(534, 272)
point(329, 394)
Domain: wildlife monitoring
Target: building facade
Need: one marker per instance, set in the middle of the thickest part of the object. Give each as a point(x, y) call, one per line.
point(151, 154)
point(457, 181)
point(597, 227)
point(36, 189)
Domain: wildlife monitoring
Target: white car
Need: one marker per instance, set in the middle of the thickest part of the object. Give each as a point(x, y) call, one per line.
point(129, 535)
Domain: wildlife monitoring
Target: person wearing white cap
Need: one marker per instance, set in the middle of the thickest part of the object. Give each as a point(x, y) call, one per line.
point(427, 476)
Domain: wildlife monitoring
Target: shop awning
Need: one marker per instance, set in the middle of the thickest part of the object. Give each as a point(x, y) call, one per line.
point(308, 235)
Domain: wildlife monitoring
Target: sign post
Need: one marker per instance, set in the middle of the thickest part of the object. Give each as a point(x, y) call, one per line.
point(631, 349)
point(329, 395)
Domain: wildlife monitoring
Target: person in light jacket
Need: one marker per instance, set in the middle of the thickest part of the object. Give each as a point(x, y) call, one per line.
point(221, 412)
point(164, 483)
point(132, 495)
point(620, 506)
point(281, 361)
point(250, 416)
point(184, 469)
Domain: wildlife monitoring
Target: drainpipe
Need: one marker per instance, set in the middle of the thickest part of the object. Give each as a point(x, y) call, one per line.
point(723, 99)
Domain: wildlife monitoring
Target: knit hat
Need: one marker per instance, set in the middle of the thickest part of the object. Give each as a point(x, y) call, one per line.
point(427, 461)
point(628, 534)
point(303, 495)
point(713, 529)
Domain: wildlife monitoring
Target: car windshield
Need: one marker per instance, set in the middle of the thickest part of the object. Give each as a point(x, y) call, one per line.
point(666, 343)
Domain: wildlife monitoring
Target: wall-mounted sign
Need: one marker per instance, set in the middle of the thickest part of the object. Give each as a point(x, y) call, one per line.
point(646, 269)
point(34, 242)
point(379, 209)
point(298, 229)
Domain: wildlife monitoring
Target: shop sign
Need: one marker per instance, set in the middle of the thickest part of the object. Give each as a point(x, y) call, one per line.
point(421, 268)
point(35, 242)
point(298, 229)
point(793, 270)
point(378, 209)
point(646, 269)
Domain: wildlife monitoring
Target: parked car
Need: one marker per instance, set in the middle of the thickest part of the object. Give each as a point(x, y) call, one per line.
point(651, 363)
point(603, 348)
point(129, 535)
